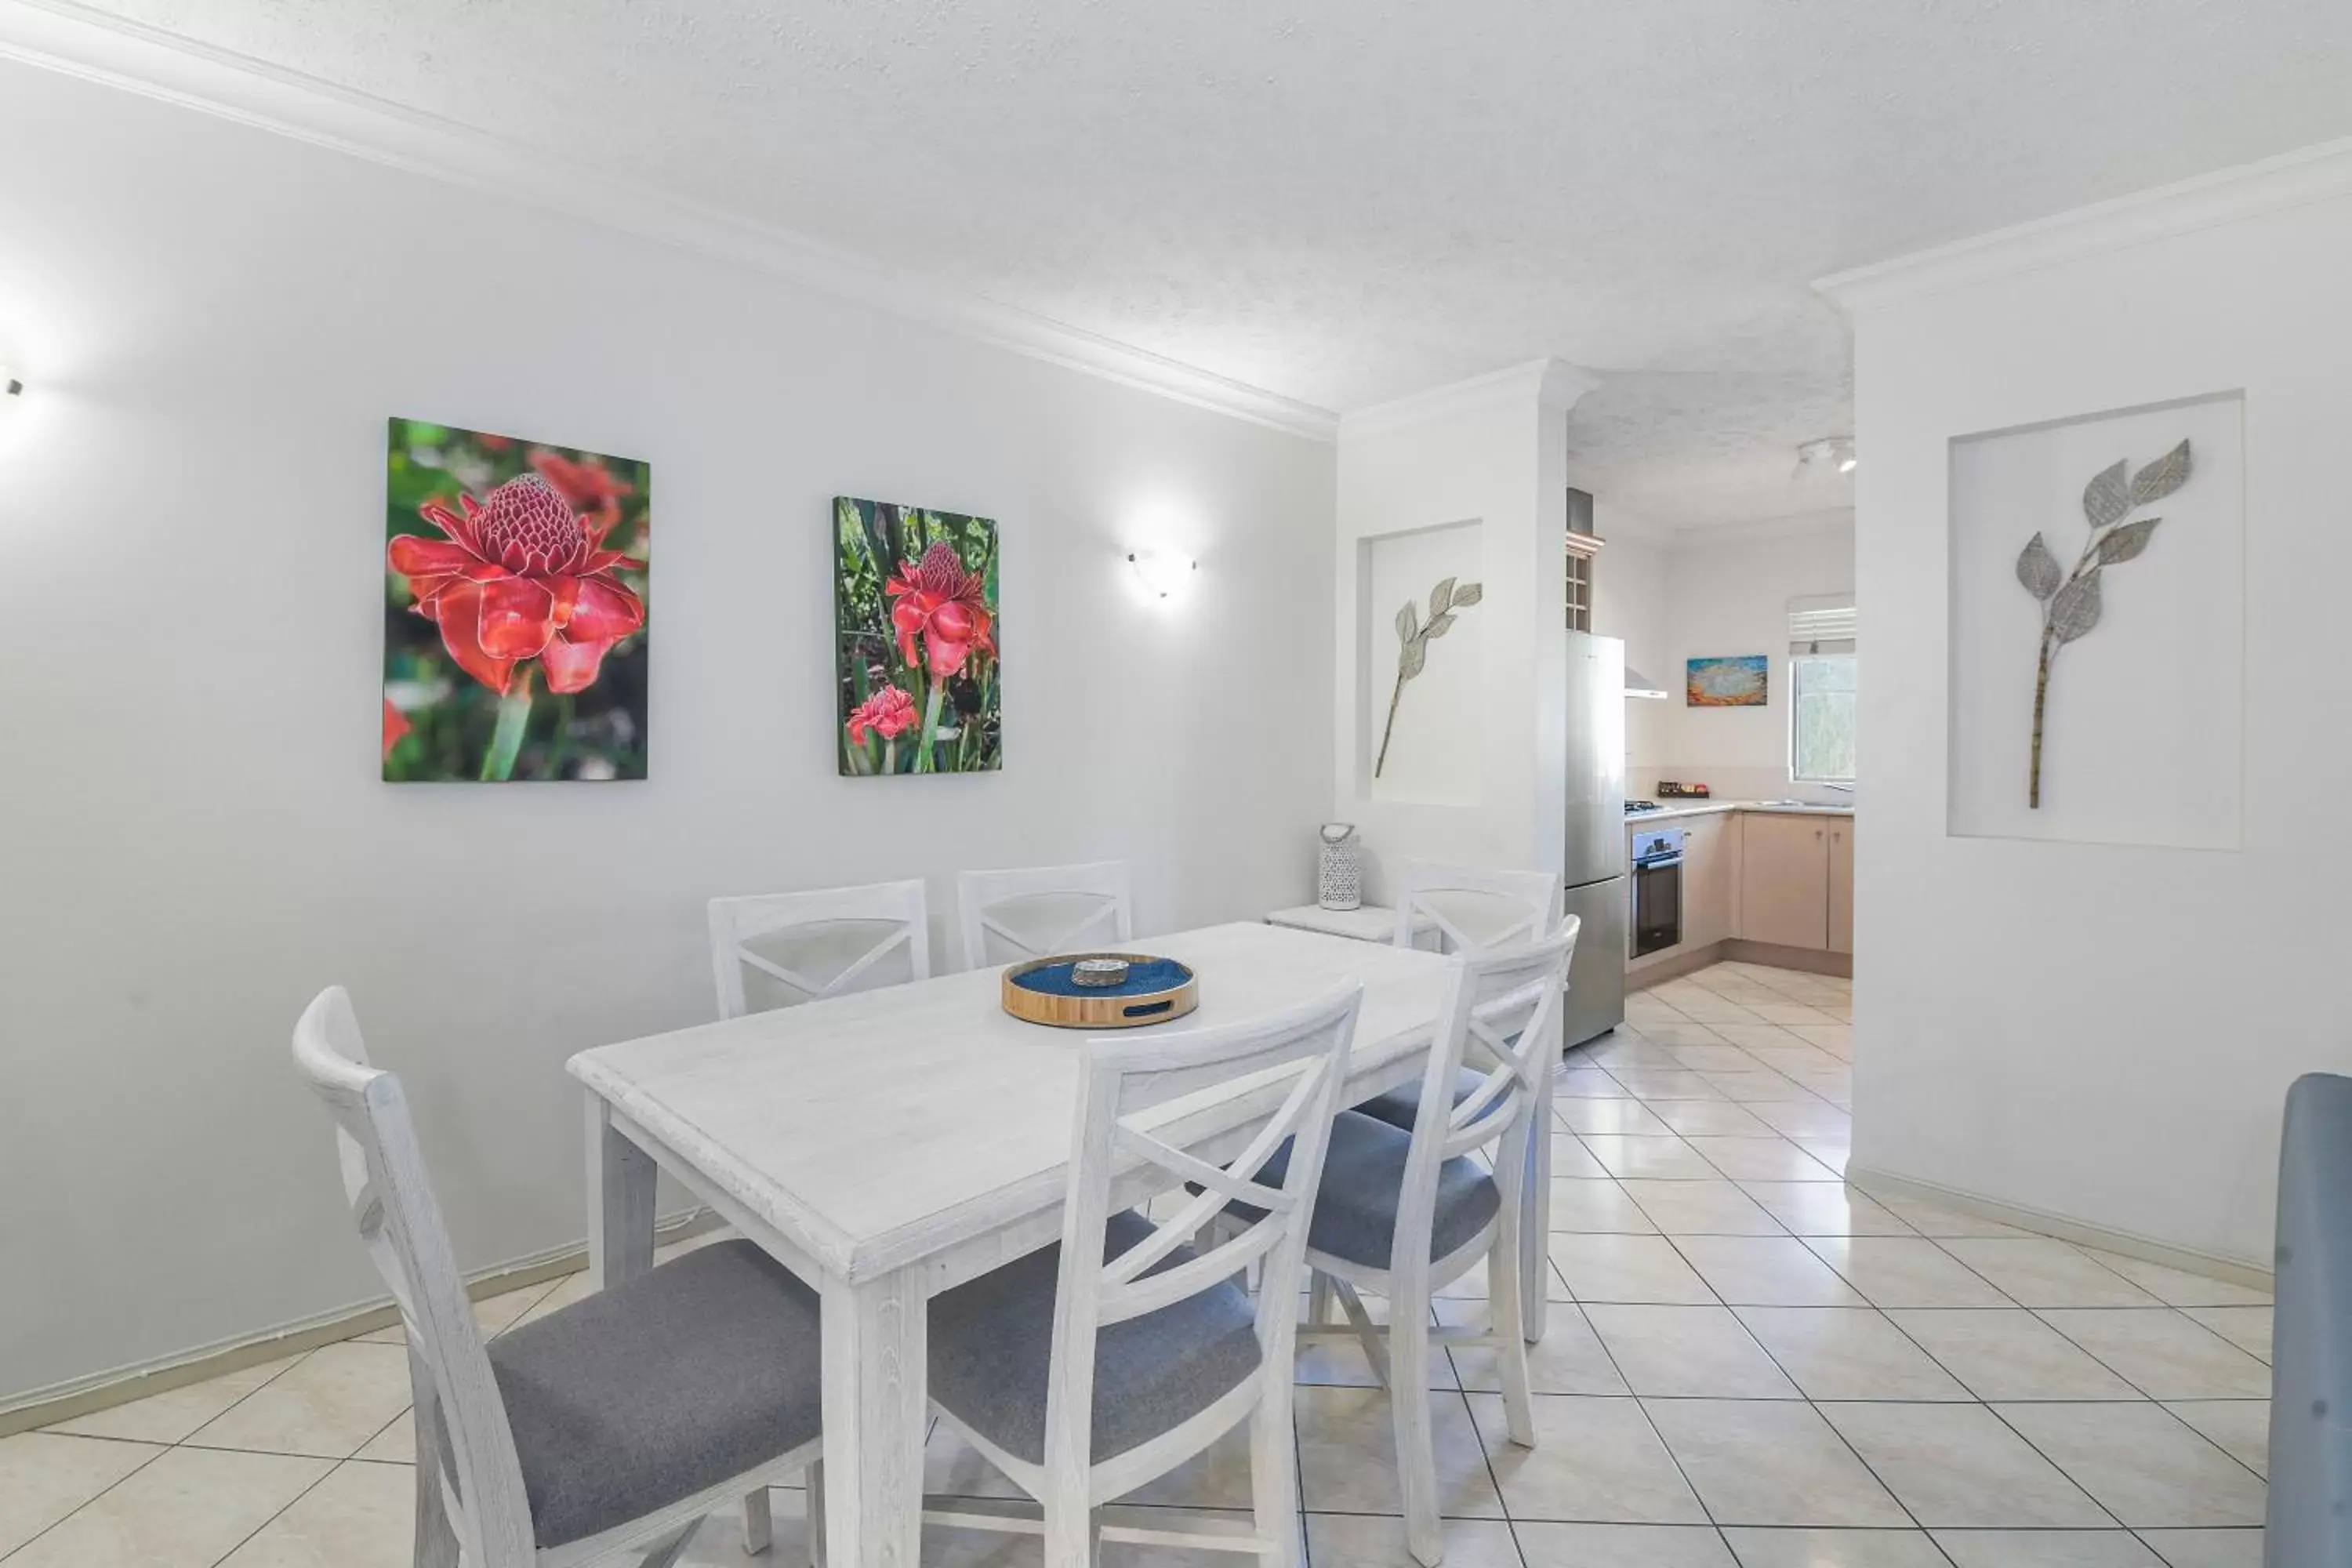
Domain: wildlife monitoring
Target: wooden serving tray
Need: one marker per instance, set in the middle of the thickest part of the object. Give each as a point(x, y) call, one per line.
point(1032, 993)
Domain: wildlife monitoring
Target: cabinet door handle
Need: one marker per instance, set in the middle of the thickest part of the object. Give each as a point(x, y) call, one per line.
point(1817, 833)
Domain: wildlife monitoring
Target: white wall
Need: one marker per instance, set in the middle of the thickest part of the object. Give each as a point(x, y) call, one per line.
point(1631, 601)
point(1492, 452)
point(2099, 1031)
point(215, 322)
point(1678, 596)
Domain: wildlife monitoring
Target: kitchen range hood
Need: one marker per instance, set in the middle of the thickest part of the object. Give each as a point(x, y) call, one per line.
point(1639, 684)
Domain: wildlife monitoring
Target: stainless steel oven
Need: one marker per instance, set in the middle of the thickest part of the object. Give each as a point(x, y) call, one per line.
point(1657, 877)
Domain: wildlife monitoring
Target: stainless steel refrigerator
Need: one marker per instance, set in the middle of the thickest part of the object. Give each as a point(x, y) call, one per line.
point(1593, 879)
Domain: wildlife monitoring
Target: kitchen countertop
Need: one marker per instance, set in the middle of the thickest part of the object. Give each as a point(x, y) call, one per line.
point(1716, 807)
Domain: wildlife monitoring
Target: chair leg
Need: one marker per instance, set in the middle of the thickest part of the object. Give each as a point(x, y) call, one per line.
point(1274, 1479)
point(437, 1539)
point(758, 1524)
point(1535, 1223)
point(815, 1483)
point(1069, 1535)
point(437, 1536)
point(1504, 1291)
point(1416, 1451)
point(1319, 1299)
point(1369, 1334)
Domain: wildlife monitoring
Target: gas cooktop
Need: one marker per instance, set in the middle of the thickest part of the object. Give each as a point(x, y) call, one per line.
point(1636, 807)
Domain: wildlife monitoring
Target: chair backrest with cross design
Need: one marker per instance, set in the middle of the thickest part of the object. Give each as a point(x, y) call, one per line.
point(460, 1415)
point(1156, 1109)
point(1474, 908)
point(1010, 916)
point(1500, 1019)
point(779, 950)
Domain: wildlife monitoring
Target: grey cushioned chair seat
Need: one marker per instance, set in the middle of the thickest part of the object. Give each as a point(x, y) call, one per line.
point(992, 1344)
point(1399, 1106)
point(1363, 1178)
point(650, 1392)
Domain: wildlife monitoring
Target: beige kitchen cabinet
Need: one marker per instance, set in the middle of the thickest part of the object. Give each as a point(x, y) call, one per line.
point(1710, 877)
point(1842, 885)
point(1784, 880)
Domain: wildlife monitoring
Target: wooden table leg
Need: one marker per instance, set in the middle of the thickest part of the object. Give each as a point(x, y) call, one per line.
point(875, 1408)
point(620, 1179)
point(1535, 1225)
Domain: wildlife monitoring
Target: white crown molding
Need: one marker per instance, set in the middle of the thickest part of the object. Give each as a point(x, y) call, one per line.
point(59, 36)
point(2292, 179)
point(1553, 383)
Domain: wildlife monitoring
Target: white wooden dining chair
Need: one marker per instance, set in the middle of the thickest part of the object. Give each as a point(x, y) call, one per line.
point(1476, 906)
point(603, 1432)
point(1403, 1212)
point(1011, 916)
point(1086, 1370)
point(778, 949)
point(1475, 910)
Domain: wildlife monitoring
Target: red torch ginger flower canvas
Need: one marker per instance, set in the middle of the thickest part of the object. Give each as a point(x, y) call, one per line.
point(916, 641)
point(515, 578)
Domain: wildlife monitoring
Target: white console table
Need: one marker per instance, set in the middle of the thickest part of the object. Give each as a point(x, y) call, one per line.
point(1373, 923)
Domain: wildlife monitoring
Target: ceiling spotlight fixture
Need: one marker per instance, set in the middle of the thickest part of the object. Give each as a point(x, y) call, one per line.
point(9, 384)
point(1831, 454)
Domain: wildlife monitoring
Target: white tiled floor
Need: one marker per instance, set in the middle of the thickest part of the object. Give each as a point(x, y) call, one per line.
point(1750, 1365)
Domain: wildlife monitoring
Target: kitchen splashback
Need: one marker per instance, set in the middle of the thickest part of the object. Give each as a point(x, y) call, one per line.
point(1728, 783)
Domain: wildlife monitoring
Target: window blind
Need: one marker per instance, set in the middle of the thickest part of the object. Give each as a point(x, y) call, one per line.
point(1822, 623)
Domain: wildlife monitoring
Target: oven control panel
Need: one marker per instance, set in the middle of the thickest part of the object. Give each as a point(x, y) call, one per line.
point(1657, 846)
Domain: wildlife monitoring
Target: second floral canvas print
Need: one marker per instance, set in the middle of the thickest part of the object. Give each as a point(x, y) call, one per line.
point(915, 627)
point(515, 609)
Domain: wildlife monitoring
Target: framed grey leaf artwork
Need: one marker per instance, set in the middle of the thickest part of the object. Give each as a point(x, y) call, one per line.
point(2071, 596)
point(1446, 602)
point(2093, 685)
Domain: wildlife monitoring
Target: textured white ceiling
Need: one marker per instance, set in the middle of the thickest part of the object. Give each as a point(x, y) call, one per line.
point(1345, 201)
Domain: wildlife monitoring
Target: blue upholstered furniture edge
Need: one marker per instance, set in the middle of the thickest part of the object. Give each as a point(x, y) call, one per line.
point(2310, 1520)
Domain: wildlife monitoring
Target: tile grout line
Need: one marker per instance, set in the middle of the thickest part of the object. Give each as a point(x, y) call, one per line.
point(2145, 1394)
point(1667, 1449)
point(162, 1449)
point(24, 1544)
point(1469, 1412)
point(2013, 1305)
point(2010, 1427)
point(1815, 1405)
point(274, 1518)
point(334, 1463)
point(1485, 1459)
point(1809, 1401)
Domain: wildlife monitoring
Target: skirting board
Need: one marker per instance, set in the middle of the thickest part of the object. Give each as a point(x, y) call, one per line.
point(2147, 1250)
point(1814, 961)
point(64, 1402)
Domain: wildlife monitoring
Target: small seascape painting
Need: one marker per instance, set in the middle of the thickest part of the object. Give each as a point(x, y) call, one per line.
point(514, 580)
point(915, 640)
point(1735, 682)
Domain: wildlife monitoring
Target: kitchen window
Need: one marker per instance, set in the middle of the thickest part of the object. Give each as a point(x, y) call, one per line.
point(1822, 681)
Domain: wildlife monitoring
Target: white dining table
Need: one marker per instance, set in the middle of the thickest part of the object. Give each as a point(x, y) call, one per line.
point(890, 1144)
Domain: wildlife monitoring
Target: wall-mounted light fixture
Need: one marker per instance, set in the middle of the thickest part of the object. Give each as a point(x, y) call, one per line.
point(1162, 572)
